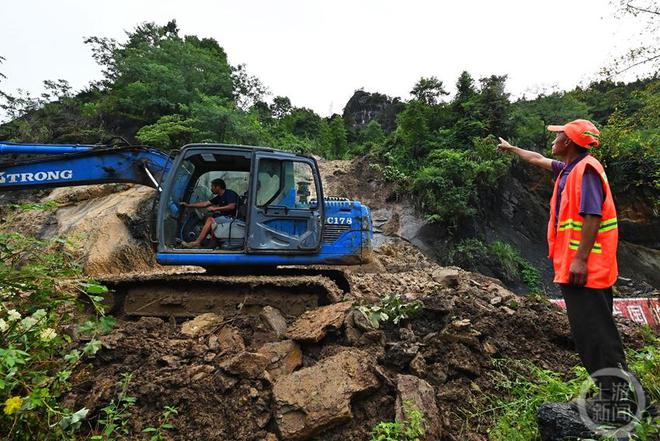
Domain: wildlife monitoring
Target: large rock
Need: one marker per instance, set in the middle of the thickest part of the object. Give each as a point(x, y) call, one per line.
point(413, 391)
point(318, 397)
point(201, 325)
point(228, 341)
point(284, 357)
point(274, 319)
point(313, 325)
point(246, 365)
point(561, 422)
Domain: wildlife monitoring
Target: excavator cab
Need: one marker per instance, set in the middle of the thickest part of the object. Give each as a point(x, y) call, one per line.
point(278, 209)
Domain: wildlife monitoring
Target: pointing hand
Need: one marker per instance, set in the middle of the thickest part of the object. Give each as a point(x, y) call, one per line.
point(504, 145)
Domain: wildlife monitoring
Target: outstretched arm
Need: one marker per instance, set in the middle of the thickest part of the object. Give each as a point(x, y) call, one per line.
point(533, 158)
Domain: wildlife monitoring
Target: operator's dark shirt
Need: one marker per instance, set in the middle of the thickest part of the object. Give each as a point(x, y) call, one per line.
point(592, 196)
point(228, 197)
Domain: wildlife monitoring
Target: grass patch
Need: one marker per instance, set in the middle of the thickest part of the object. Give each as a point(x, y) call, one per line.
point(502, 258)
point(41, 285)
point(529, 386)
point(410, 429)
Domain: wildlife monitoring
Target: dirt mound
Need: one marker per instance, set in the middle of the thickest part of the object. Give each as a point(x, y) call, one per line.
point(107, 223)
point(331, 376)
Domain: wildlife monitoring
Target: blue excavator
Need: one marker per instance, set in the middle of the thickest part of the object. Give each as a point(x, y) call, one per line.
point(280, 245)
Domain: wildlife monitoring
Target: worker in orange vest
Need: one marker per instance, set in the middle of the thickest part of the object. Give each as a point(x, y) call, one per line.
point(582, 239)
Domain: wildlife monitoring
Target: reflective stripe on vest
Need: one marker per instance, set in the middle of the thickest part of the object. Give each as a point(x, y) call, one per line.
point(564, 237)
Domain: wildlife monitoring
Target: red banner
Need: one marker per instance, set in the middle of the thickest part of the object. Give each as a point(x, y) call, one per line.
point(645, 311)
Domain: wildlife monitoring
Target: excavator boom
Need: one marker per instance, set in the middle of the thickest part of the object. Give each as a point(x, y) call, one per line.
point(79, 165)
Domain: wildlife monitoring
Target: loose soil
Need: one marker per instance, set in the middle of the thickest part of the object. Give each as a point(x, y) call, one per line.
point(468, 321)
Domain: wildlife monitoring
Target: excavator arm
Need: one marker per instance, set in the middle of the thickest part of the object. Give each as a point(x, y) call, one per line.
point(62, 165)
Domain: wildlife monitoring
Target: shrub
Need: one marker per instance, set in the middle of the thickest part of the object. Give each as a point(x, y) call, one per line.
point(500, 258)
point(529, 386)
point(410, 429)
point(40, 283)
point(392, 309)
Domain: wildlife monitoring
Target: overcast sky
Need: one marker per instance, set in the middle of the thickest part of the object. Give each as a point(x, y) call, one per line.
point(318, 52)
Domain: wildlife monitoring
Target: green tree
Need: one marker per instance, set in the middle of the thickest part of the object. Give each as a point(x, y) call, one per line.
point(494, 105)
point(531, 118)
point(157, 72)
point(281, 106)
point(248, 89)
point(373, 133)
point(171, 131)
point(412, 129)
point(428, 90)
point(338, 136)
point(325, 138)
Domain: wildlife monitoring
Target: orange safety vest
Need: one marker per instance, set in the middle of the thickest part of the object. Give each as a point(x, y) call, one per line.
point(564, 236)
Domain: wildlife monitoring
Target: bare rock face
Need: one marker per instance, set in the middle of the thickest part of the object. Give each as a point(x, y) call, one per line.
point(313, 325)
point(284, 357)
point(201, 325)
point(318, 397)
point(420, 394)
point(246, 365)
point(274, 319)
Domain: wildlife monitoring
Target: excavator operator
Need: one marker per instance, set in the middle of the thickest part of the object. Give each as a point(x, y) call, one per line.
point(222, 209)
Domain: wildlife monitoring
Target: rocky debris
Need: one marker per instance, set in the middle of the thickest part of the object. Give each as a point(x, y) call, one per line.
point(273, 318)
point(313, 325)
point(228, 341)
point(203, 324)
point(561, 422)
point(319, 397)
point(399, 354)
point(246, 365)
point(284, 357)
point(447, 276)
point(356, 326)
point(461, 331)
point(418, 366)
point(412, 391)
point(241, 382)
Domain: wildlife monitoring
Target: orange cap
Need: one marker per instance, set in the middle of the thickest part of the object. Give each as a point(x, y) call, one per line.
point(581, 131)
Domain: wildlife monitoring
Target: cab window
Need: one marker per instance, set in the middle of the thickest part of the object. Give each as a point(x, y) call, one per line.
point(288, 184)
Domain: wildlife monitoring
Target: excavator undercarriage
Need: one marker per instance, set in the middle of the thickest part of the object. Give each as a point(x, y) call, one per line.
point(184, 295)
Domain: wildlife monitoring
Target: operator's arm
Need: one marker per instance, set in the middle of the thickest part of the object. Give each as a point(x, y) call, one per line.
point(577, 275)
point(201, 204)
point(533, 158)
point(223, 209)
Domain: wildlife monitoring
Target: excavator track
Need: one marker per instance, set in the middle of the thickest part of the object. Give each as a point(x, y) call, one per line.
point(183, 295)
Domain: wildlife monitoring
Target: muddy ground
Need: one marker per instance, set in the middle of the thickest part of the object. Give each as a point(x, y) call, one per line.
point(241, 378)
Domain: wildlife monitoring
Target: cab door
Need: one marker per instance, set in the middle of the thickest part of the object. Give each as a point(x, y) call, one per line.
point(285, 213)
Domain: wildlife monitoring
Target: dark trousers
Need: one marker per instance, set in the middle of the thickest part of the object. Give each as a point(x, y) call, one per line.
point(596, 337)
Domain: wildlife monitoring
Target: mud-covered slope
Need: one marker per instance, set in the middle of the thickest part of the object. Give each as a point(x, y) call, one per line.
point(328, 374)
